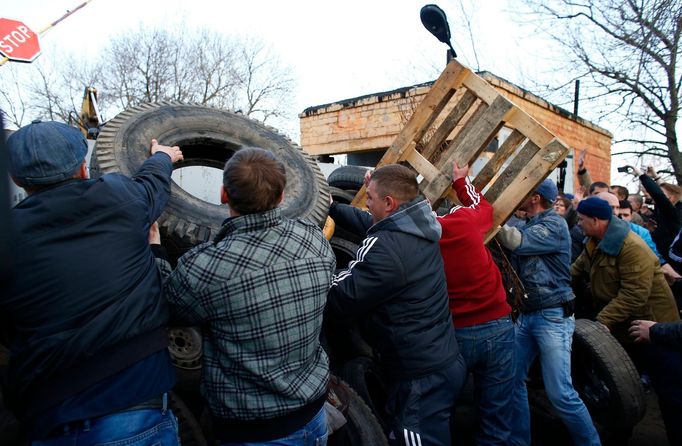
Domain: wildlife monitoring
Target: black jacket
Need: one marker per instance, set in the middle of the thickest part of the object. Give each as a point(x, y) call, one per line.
point(667, 333)
point(86, 283)
point(666, 214)
point(398, 281)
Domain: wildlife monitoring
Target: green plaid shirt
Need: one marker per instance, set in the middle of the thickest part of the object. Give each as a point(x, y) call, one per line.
point(258, 291)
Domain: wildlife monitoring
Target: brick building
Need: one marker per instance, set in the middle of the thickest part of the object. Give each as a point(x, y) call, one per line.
point(366, 126)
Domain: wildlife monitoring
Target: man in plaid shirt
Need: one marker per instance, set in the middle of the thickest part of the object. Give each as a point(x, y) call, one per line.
point(258, 291)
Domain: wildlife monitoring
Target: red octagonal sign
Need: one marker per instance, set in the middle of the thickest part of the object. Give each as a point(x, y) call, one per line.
point(17, 41)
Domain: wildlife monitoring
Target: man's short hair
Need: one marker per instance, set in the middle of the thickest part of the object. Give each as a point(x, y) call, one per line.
point(597, 184)
point(621, 192)
point(254, 180)
point(398, 181)
point(638, 198)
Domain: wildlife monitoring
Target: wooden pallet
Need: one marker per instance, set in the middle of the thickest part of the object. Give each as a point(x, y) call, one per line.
point(455, 122)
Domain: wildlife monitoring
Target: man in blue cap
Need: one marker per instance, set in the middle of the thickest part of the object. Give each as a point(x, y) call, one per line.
point(541, 254)
point(84, 315)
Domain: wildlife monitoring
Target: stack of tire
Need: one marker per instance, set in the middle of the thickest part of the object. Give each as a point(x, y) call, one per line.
point(344, 183)
point(208, 137)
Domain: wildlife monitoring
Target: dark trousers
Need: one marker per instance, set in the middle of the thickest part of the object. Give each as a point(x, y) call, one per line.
point(419, 409)
point(664, 365)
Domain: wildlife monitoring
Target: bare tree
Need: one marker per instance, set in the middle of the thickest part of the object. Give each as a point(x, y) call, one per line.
point(56, 94)
point(151, 65)
point(204, 67)
point(628, 50)
point(265, 84)
point(13, 96)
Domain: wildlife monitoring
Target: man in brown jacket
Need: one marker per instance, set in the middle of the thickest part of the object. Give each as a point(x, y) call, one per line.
point(627, 284)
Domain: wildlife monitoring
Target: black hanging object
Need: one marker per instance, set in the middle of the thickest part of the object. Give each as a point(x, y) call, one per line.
point(436, 22)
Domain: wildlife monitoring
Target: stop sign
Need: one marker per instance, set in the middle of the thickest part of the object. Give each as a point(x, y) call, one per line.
point(17, 41)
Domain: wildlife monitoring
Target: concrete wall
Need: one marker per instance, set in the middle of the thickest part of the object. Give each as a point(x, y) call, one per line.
point(372, 122)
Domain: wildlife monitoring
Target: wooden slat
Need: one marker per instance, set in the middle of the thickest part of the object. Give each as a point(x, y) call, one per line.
point(450, 122)
point(530, 127)
point(507, 177)
point(471, 142)
point(493, 165)
point(544, 161)
point(479, 134)
point(422, 165)
point(480, 88)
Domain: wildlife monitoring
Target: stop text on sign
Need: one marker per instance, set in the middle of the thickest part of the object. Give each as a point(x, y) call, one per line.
point(17, 41)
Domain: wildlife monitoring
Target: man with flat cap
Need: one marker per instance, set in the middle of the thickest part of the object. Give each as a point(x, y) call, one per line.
point(627, 284)
point(84, 317)
point(541, 254)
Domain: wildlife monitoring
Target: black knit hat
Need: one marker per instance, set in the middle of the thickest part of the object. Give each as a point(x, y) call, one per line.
point(595, 207)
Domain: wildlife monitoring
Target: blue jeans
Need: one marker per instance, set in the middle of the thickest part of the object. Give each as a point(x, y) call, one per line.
point(145, 427)
point(312, 434)
point(549, 334)
point(488, 351)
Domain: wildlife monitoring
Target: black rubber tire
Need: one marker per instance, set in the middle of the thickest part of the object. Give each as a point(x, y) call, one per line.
point(207, 137)
point(347, 177)
point(606, 379)
point(361, 428)
point(340, 195)
point(363, 375)
point(344, 250)
point(188, 426)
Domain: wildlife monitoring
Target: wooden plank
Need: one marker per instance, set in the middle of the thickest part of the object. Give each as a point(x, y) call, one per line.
point(470, 142)
point(524, 123)
point(544, 161)
point(452, 119)
point(480, 88)
point(422, 165)
point(479, 134)
point(493, 165)
point(507, 177)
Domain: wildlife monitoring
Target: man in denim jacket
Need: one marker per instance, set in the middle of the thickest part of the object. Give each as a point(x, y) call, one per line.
point(541, 253)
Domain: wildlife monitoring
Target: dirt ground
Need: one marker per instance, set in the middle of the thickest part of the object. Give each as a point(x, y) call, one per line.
point(549, 431)
point(650, 431)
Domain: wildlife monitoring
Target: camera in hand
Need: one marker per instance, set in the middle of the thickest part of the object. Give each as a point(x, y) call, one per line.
point(624, 169)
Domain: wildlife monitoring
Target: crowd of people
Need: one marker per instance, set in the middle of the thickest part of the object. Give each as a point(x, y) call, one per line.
point(95, 290)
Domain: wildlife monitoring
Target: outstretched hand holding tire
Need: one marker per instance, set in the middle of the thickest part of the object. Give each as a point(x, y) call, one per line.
point(174, 152)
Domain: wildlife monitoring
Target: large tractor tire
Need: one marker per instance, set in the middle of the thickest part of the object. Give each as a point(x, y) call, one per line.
point(208, 137)
point(606, 379)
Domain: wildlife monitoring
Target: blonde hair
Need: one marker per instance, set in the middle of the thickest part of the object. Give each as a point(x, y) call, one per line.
point(672, 189)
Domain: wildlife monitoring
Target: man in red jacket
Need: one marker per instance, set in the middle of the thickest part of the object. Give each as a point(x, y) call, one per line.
point(479, 308)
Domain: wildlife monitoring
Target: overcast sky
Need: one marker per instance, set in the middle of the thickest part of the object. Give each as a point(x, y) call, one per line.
point(337, 50)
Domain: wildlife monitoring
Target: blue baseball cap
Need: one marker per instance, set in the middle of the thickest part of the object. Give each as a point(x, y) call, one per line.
point(45, 153)
point(547, 190)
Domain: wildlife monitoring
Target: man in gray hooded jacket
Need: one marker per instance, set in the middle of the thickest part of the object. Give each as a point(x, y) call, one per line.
point(397, 281)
